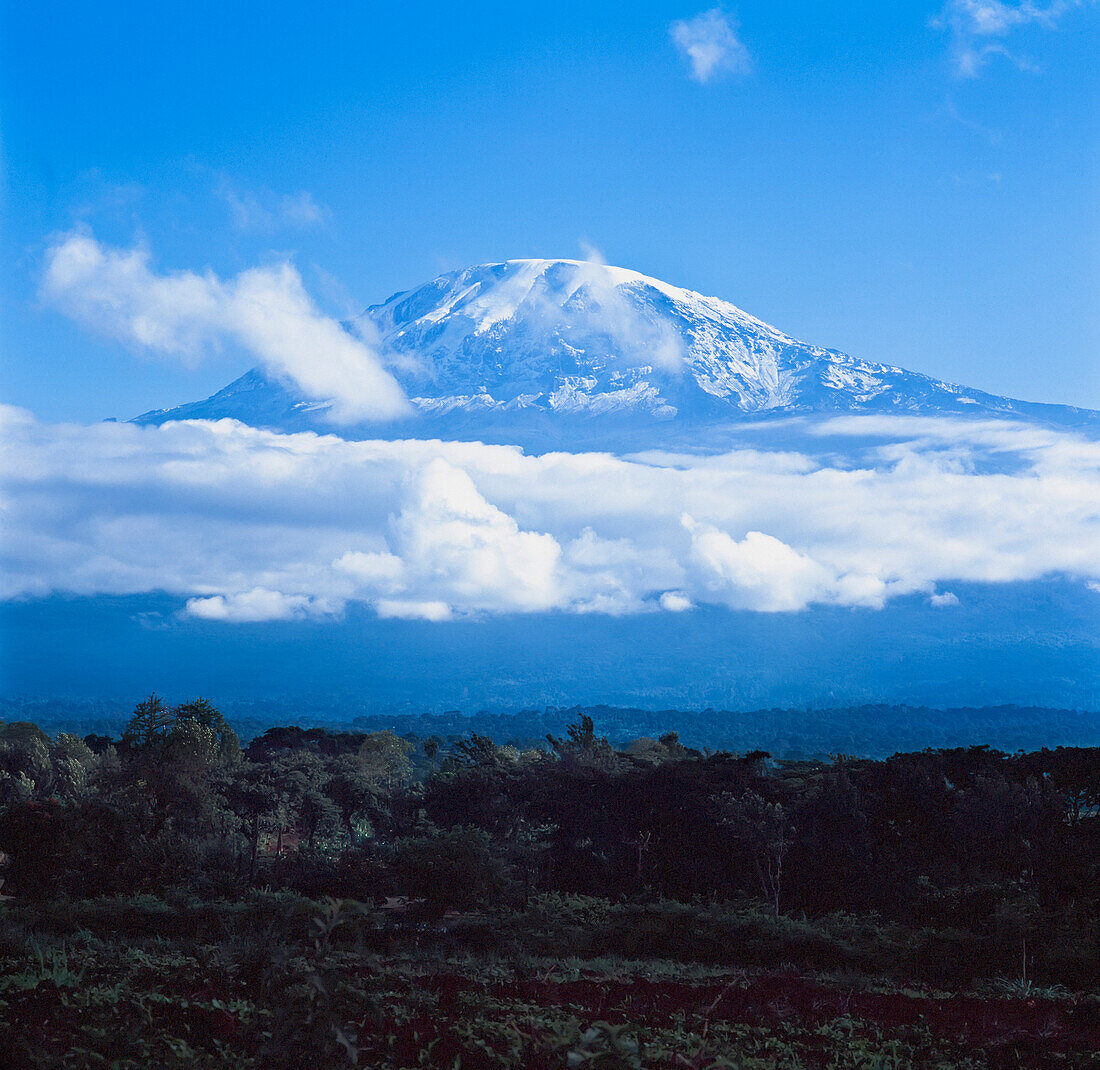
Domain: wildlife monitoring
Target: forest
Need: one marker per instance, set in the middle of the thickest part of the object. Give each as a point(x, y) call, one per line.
point(333, 898)
point(871, 731)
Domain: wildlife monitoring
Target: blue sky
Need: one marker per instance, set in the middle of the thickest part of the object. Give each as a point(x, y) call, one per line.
point(910, 182)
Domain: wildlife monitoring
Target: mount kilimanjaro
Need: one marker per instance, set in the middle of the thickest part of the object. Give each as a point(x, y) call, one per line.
point(553, 353)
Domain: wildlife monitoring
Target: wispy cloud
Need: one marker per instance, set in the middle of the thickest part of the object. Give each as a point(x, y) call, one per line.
point(711, 46)
point(979, 30)
point(248, 525)
point(183, 314)
point(950, 112)
point(265, 211)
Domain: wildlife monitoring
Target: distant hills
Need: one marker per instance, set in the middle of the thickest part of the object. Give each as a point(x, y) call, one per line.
point(873, 731)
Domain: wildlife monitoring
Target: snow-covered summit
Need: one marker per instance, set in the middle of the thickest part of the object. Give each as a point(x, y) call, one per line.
point(541, 351)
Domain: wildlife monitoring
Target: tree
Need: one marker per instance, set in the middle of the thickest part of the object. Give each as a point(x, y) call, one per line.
point(73, 761)
point(201, 712)
point(26, 769)
point(150, 721)
point(383, 759)
point(764, 829)
point(582, 744)
point(834, 851)
point(352, 793)
point(254, 797)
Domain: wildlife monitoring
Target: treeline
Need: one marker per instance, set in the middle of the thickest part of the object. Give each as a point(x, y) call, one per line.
point(993, 857)
point(872, 731)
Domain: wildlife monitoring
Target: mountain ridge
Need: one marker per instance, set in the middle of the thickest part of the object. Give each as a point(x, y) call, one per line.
point(535, 351)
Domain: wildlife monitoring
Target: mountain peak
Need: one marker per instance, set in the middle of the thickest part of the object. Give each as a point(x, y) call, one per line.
point(498, 291)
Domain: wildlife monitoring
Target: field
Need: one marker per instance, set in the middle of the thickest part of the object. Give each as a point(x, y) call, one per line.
point(299, 984)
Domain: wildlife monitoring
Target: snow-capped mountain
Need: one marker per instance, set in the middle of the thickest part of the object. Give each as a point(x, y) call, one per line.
point(556, 352)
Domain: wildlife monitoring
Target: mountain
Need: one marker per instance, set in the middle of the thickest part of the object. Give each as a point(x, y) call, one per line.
point(541, 352)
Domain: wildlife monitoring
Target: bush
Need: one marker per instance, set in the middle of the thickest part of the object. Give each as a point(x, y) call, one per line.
point(451, 869)
point(717, 934)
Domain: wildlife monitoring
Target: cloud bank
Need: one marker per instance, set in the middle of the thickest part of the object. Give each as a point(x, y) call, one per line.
point(710, 45)
point(246, 525)
point(184, 314)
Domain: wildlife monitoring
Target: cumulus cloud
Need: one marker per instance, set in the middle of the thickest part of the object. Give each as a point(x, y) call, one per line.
point(459, 545)
point(382, 572)
point(763, 573)
point(259, 604)
point(710, 44)
point(248, 525)
point(979, 29)
point(184, 314)
point(944, 600)
point(675, 602)
point(759, 571)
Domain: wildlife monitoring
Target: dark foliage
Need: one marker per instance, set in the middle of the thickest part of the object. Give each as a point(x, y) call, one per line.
point(942, 867)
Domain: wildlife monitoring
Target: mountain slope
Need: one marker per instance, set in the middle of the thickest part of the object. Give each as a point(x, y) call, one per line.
point(551, 352)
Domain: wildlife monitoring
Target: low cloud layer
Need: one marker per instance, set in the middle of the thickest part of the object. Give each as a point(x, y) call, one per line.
point(184, 315)
point(246, 525)
point(710, 45)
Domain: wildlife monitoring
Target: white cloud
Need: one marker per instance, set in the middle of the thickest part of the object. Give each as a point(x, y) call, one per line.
point(247, 525)
point(259, 604)
point(409, 609)
point(455, 542)
point(184, 314)
point(616, 575)
point(675, 602)
point(710, 44)
point(944, 601)
point(979, 28)
point(763, 573)
point(373, 571)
